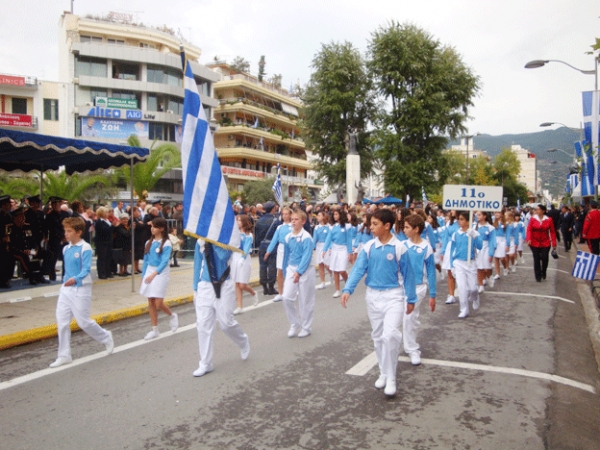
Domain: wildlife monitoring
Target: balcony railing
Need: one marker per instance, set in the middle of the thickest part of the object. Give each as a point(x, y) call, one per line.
point(253, 80)
point(246, 101)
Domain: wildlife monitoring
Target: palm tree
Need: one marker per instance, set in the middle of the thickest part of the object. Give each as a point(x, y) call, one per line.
point(162, 159)
point(18, 187)
point(76, 186)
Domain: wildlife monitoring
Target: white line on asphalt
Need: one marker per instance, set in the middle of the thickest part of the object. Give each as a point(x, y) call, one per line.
point(363, 367)
point(530, 295)
point(52, 294)
point(20, 299)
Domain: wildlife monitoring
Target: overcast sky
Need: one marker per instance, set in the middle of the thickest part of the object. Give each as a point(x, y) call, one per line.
point(494, 37)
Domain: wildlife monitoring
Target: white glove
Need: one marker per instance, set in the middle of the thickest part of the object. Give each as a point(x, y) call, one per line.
point(472, 233)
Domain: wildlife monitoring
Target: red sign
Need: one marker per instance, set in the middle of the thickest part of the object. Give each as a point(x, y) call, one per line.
point(245, 172)
point(15, 120)
point(13, 81)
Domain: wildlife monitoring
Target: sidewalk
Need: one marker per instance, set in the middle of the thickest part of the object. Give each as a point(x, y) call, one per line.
point(28, 315)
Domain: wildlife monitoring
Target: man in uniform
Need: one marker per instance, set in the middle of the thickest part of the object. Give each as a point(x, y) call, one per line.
point(264, 231)
point(54, 235)
point(7, 263)
point(24, 249)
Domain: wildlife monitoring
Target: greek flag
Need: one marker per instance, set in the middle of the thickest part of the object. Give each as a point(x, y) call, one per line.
point(207, 210)
point(277, 187)
point(585, 266)
point(518, 205)
point(573, 181)
point(255, 123)
point(591, 117)
point(587, 168)
point(424, 195)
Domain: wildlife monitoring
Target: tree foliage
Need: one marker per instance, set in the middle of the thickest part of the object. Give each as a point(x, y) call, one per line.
point(258, 191)
point(240, 64)
point(427, 90)
point(275, 80)
point(82, 187)
point(261, 68)
point(162, 159)
point(18, 187)
point(506, 166)
point(338, 99)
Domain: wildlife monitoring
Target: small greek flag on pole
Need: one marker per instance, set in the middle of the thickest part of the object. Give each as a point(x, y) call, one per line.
point(424, 195)
point(207, 210)
point(277, 187)
point(585, 266)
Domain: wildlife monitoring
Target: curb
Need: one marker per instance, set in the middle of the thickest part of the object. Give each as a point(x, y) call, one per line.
point(49, 331)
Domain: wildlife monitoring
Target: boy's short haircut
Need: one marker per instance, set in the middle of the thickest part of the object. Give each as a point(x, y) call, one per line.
point(415, 221)
point(77, 223)
point(385, 216)
point(300, 214)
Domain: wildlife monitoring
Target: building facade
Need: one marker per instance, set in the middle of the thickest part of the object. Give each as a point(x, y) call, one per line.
point(529, 172)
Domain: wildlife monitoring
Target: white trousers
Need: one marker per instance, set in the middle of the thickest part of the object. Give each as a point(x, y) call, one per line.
point(76, 302)
point(466, 283)
point(209, 309)
point(411, 323)
point(385, 310)
point(305, 289)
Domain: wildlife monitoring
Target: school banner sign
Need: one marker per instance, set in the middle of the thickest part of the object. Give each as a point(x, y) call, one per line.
point(473, 198)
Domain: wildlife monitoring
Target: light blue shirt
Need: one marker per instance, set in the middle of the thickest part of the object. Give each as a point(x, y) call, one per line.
point(320, 233)
point(340, 236)
point(222, 257)
point(298, 250)
point(157, 258)
point(279, 237)
point(459, 246)
point(77, 260)
point(422, 263)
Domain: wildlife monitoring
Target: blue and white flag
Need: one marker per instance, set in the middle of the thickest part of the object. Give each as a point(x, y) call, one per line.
point(407, 200)
point(424, 195)
point(518, 205)
point(591, 123)
point(573, 181)
point(582, 150)
point(255, 123)
point(585, 265)
point(207, 210)
point(277, 187)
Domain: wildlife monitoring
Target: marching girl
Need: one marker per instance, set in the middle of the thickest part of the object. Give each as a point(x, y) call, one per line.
point(320, 234)
point(450, 229)
point(427, 233)
point(512, 237)
point(352, 226)
point(485, 256)
point(521, 231)
point(500, 253)
point(243, 263)
point(155, 275)
point(363, 235)
point(340, 244)
point(398, 229)
point(435, 226)
point(466, 273)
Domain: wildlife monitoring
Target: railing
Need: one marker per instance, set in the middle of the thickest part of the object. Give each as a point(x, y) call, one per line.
point(253, 80)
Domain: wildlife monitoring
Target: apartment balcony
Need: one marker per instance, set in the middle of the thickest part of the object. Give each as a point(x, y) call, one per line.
point(248, 131)
point(267, 90)
point(232, 105)
point(239, 153)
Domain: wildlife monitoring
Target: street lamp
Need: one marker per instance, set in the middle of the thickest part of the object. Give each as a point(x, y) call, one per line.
point(536, 63)
point(467, 139)
point(549, 124)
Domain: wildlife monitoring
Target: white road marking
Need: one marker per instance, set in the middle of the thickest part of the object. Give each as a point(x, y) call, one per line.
point(530, 295)
point(549, 268)
point(52, 294)
point(367, 363)
point(20, 299)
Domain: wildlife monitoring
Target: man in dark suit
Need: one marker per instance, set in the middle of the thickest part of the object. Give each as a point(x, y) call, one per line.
point(567, 221)
point(555, 215)
point(7, 263)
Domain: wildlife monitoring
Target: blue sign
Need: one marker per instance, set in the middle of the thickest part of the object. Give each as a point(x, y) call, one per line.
point(113, 129)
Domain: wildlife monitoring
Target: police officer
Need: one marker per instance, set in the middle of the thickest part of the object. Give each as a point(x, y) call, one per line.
point(264, 231)
point(7, 263)
point(24, 249)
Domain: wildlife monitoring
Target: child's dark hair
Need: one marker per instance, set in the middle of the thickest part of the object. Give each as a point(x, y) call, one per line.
point(367, 225)
point(385, 216)
point(415, 221)
point(353, 219)
point(77, 223)
point(399, 226)
point(342, 215)
point(158, 222)
point(246, 222)
point(463, 214)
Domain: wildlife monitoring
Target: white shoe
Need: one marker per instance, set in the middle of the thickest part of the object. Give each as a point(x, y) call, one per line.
point(485, 280)
point(390, 388)
point(442, 275)
point(320, 286)
point(337, 294)
point(496, 277)
point(505, 272)
point(61, 362)
point(237, 311)
point(450, 300)
point(521, 260)
point(110, 344)
point(480, 289)
point(246, 350)
point(380, 383)
point(292, 331)
point(202, 370)
point(491, 282)
point(462, 315)
point(303, 333)
point(277, 298)
point(174, 322)
point(476, 304)
point(255, 299)
point(513, 269)
point(415, 358)
point(151, 335)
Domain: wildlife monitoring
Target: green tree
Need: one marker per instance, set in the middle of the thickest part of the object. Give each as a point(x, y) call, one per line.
point(162, 159)
point(481, 172)
point(428, 90)
point(84, 187)
point(239, 64)
point(506, 166)
point(18, 187)
point(338, 99)
point(514, 190)
point(259, 191)
point(275, 80)
point(261, 68)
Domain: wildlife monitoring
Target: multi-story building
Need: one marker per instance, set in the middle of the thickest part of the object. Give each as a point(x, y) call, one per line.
point(257, 130)
point(467, 149)
point(126, 78)
point(529, 173)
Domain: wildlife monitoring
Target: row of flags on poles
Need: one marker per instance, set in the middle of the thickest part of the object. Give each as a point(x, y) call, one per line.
point(587, 149)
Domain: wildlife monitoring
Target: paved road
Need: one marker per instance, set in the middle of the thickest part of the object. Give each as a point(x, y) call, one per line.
point(519, 373)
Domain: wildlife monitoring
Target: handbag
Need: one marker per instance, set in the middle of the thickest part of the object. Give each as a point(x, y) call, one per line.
point(554, 253)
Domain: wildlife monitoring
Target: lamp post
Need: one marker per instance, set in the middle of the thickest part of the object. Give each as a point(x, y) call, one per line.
point(536, 63)
point(467, 139)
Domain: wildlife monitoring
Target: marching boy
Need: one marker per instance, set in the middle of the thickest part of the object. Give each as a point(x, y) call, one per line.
point(299, 278)
point(75, 296)
point(383, 259)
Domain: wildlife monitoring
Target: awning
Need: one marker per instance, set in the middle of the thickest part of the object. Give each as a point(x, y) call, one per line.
point(389, 200)
point(29, 151)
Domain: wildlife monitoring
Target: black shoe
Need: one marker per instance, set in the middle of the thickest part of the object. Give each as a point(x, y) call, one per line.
point(42, 280)
point(102, 278)
point(175, 265)
point(110, 276)
point(33, 282)
point(538, 279)
point(544, 277)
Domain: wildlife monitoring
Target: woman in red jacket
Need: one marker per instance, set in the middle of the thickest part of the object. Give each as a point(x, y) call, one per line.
point(540, 236)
